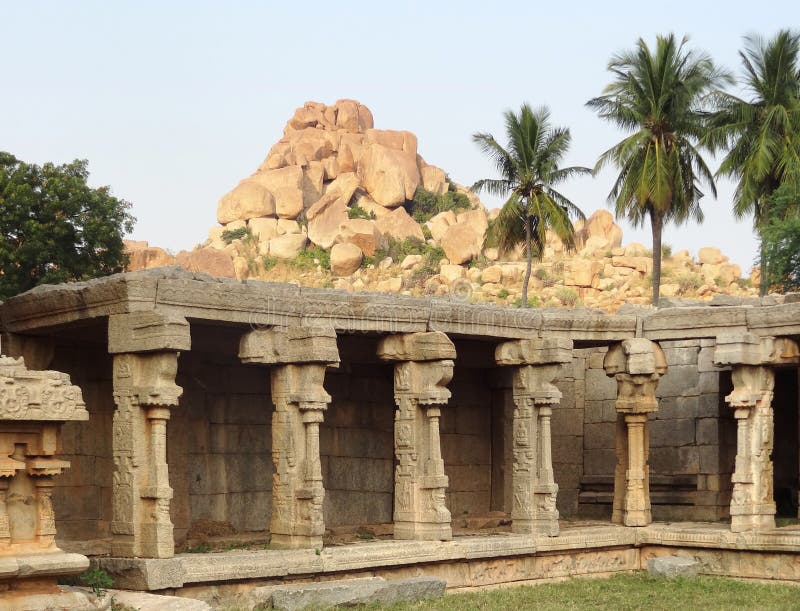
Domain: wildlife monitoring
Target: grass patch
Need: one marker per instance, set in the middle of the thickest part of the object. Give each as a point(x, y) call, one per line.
point(621, 593)
point(229, 235)
point(357, 212)
point(309, 258)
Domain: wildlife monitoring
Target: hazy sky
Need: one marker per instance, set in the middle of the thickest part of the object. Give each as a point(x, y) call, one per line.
point(173, 102)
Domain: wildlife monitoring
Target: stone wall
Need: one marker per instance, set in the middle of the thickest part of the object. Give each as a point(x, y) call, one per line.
point(82, 494)
point(357, 445)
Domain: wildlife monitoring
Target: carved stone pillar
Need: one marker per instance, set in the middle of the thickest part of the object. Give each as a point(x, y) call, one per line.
point(423, 367)
point(636, 364)
point(299, 356)
point(536, 362)
point(752, 359)
point(33, 407)
point(146, 347)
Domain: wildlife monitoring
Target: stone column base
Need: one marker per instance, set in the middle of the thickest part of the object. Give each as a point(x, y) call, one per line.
point(422, 531)
point(278, 541)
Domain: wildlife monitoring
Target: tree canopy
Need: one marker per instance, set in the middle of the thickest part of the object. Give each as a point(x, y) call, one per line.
point(55, 227)
point(781, 238)
point(657, 96)
point(529, 169)
point(761, 134)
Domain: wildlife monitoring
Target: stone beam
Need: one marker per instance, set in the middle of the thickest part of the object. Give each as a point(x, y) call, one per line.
point(146, 347)
point(299, 357)
point(537, 363)
point(423, 368)
point(636, 364)
point(752, 360)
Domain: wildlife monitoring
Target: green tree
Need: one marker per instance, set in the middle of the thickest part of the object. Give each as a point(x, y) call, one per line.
point(658, 96)
point(55, 227)
point(529, 166)
point(762, 134)
point(781, 238)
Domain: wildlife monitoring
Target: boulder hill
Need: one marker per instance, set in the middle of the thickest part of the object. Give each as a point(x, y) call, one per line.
point(341, 190)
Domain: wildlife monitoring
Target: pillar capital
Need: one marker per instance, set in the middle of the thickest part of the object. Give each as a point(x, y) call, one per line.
point(750, 349)
point(147, 332)
point(285, 345)
point(636, 364)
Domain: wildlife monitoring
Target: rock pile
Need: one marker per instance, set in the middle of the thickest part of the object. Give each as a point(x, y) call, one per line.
point(336, 183)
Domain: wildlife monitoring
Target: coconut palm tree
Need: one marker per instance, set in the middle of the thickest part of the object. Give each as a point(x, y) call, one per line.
point(658, 96)
point(762, 134)
point(529, 169)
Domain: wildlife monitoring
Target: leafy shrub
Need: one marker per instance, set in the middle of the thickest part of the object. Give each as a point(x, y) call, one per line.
point(426, 205)
point(688, 281)
point(269, 262)
point(502, 293)
point(666, 251)
point(309, 258)
point(96, 579)
point(567, 296)
point(357, 212)
point(541, 274)
point(533, 302)
point(229, 235)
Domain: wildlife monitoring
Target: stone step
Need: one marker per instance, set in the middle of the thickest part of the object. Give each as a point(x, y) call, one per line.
point(673, 566)
point(348, 592)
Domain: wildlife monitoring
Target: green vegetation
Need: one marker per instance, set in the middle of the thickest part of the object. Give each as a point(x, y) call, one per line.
point(761, 135)
point(54, 227)
point(269, 262)
point(96, 579)
point(533, 302)
point(357, 212)
point(567, 296)
point(426, 205)
point(658, 96)
point(240, 233)
point(666, 251)
point(311, 257)
point(627, 592)
point(781, 239)
point(529, 169)
point(503, 293)
point(688, 281)
point(201, 548)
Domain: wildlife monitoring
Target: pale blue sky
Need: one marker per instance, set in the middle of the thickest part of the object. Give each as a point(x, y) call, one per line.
point(173, 102)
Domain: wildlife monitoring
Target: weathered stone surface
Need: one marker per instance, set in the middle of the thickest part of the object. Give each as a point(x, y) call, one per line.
point(361, 232)
point(264, 229)
point(429, 346)
point(462, 243)
point(345, 259)
point(390, 176)
point(325, 218)
point(672, 567)
point(144, 573)
point(434, 179)
point(287, 246)
point(440, 222)
point(250, 198)
point(143, 256)
point(711, 256)
point(326, 594)
point(399, 226)
point(142, 601)
point(209, 260)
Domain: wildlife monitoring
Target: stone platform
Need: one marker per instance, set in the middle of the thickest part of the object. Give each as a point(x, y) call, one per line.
point(469, 562)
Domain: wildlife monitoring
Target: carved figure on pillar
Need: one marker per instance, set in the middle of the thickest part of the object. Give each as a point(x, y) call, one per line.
point(537, 363)
point(752, 360)
point(300, 356)
point(33, 407)
point(423, 368)
point(636, 364)
point(146, 347)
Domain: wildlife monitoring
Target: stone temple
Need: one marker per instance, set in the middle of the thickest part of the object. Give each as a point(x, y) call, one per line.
point(151, 419)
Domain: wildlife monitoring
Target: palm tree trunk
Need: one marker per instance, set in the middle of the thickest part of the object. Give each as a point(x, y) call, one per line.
point(528, 260)
point(763, 283)
point(656, 224)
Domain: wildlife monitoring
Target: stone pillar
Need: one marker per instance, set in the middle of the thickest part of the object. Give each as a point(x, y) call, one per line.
point(752, 360)
point(636, 364)
point(146, 346)
point(536, 362)
point(299, 357)
point(33, 407)
point(423, 367)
